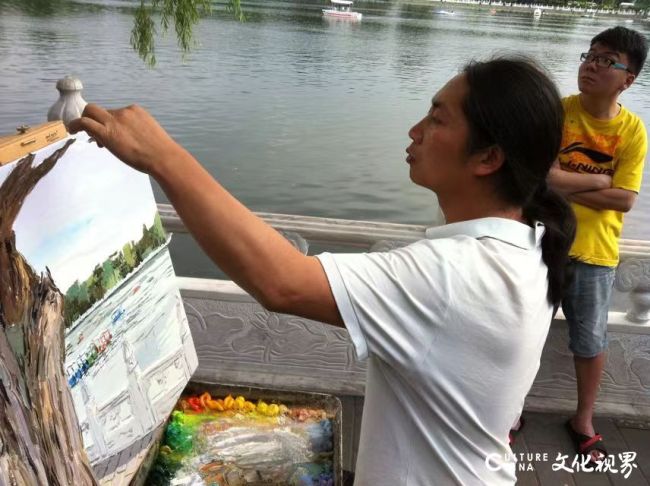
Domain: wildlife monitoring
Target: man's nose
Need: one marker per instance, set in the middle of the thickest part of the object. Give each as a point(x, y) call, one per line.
point(415, 133)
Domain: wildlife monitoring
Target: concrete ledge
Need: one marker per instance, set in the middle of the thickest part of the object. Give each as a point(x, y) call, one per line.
point(237, 341)
point(625, 387)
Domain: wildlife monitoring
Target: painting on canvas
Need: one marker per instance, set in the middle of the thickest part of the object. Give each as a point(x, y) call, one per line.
point(89, 225)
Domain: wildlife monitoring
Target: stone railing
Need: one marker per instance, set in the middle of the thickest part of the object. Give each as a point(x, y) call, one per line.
point(239, 342)
point(633, 275)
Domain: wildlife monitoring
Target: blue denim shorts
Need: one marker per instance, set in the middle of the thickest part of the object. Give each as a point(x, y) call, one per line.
point(585, 307)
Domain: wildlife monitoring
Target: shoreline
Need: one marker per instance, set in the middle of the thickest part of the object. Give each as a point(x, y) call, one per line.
point(505, 7)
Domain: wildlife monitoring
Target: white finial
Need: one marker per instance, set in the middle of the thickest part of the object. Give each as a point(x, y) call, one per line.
point(70, 104)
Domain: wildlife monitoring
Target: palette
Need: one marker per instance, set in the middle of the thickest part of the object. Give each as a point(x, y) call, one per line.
point(233, 436)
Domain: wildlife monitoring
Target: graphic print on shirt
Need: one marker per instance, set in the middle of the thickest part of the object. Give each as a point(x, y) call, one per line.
point(588, 154)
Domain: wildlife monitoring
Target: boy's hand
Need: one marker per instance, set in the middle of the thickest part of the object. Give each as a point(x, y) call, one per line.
point(130, 133)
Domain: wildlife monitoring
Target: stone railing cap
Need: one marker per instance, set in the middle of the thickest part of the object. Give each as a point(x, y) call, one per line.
point(69, 83)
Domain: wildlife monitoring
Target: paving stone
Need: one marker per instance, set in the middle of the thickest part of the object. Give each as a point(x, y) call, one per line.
point(547, 429)
point(524, 478)
point(636, 478)
point(583, 478)
point(638, 441)
point(614, 440)
point(544, 469)
point(527, 478)
point(633, 423)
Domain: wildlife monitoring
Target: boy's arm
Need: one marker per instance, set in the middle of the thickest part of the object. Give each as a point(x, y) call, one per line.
point(568, 183)
point(613, 198)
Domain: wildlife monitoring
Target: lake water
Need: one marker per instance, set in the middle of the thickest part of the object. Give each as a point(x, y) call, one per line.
point(292, 112)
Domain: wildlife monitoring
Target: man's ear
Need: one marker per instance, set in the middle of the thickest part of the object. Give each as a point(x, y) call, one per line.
point(489, 160)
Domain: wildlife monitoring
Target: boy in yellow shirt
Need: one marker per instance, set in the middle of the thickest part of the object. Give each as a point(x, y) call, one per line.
point(599, 170)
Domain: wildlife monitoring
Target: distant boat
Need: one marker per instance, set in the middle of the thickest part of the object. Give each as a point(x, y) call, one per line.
point(445, 12)
point(342, 9)
point(117, 315)
point(537, 13)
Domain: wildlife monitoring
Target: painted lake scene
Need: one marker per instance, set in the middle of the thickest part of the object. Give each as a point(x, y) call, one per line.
point(92, 224)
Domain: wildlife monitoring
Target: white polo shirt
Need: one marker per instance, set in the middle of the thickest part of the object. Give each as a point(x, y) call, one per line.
point(453, 328)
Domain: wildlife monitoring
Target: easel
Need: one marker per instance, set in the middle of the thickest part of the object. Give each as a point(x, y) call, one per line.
point(30, 139)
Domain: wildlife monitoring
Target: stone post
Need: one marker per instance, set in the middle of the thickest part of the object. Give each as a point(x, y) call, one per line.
point(143, 413)
point(94, 427)
point(70, 104)
point(633, 276)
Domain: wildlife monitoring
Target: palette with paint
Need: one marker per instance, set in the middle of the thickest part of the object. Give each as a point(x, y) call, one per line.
point(233, 436)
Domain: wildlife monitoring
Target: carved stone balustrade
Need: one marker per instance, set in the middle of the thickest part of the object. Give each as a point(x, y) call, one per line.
point(239, 342)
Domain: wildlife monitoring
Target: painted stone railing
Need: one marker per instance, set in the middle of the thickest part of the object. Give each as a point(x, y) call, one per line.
point(239, 342)
point(143, 405)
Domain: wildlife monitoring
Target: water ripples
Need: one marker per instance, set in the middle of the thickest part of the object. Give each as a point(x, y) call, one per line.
point(292, 112)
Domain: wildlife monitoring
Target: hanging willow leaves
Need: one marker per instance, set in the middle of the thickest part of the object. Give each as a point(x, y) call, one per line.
point(182, 14)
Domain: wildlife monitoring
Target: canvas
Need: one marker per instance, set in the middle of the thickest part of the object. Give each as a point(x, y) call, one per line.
point(86, 227)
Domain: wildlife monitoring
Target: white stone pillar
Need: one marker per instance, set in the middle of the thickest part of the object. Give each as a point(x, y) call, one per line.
point(94, 427)
point(633, 276)
point(143, 412)
point(70, 104)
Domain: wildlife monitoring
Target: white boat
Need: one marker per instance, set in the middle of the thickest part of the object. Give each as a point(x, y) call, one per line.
point(342, 9)
point(537, 13)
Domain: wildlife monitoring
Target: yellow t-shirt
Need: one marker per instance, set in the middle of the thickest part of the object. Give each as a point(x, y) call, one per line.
point(615, 147)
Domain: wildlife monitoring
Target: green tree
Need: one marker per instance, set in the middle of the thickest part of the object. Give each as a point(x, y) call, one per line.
point(110, 275)
point(95, 288)
point(146, 243)
point(183, 14)
point(129, 255)
point(158, 231)
point(74, 291)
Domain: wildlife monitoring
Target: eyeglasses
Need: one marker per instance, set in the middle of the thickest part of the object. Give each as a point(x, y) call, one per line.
point(602, 61)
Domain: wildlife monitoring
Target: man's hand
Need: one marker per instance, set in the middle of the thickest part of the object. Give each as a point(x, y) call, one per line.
point(130, 133)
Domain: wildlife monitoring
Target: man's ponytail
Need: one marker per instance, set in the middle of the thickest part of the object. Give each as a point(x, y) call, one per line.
point(548, 207)
point(527, 125)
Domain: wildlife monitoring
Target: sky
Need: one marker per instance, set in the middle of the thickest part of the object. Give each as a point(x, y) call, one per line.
point(85, 209)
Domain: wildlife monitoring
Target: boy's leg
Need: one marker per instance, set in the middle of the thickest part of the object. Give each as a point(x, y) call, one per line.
point(586, 307)
point(588, 374)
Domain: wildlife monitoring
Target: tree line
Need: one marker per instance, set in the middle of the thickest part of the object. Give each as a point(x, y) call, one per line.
point(82, 295)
